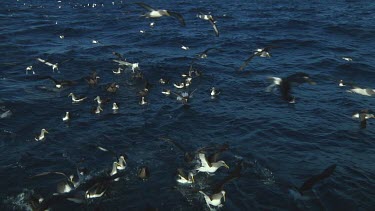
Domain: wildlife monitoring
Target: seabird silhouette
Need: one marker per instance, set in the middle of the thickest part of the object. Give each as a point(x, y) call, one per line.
point(308, 184)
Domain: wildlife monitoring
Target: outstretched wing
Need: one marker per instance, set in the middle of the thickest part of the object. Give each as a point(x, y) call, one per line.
point(118, 55)
point(362, 118)
point(51, 172)
point(181, 173)
point(204, 162)
point(236, 173)
point(147, 7)
point(215, 27)
point(246, 62)
point(316, 178)
point(178, 16)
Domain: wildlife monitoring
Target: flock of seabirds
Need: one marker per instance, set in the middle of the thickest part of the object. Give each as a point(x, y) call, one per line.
point(82, 187)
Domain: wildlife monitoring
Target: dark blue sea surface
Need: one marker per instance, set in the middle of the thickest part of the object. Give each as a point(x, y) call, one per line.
point(281, 144)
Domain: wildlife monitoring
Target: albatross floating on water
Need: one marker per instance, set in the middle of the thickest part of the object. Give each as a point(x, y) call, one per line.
point(215, 199)
point(41, 137)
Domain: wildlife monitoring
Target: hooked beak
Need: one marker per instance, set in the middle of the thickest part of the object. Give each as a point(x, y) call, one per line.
point(224, 197)
point(45, 131)
point(192, 179)
point(226, 166)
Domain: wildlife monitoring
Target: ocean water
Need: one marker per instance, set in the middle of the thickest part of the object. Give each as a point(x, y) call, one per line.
point(281, 144)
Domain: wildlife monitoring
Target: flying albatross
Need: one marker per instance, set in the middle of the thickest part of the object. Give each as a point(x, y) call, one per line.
point(157, 13)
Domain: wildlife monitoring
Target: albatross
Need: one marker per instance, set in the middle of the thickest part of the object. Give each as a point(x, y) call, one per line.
point(157, 13)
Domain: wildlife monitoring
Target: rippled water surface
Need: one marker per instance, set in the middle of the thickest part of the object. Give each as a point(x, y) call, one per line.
point(281, 144)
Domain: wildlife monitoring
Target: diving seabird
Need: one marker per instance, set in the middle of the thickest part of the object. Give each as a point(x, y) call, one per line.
point(144, 173)
point(54, 66)
point(159, 13)
point(210, 165)
point(215, 199)
point(308, 184)
point(211, 20)
point(41, 136)
point(66, 117)
point(183, 178)
point(76, 99)
point(261, 52)
point(363, 116)
point(285, 84)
